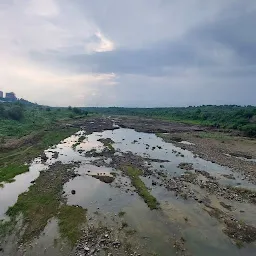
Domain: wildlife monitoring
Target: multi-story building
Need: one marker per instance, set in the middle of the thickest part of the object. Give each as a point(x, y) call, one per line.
point(10, 96)
point(1, 94)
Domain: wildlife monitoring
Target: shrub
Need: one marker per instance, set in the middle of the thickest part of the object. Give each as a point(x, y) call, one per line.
point(15, 113)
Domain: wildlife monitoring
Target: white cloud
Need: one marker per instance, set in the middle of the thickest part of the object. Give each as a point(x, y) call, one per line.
point(46, 8)
point(40, 26)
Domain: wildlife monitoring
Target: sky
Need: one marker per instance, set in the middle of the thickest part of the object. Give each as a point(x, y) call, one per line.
point(136, 53)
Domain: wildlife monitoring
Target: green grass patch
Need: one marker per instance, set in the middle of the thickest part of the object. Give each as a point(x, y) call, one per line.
point(12, 161)
point(71, 218)
point(108, 144)
point(8, 173)
point(75, 145)
point(5, 227)
point(81, 138)
point(40, 203)
point(142, 190)
point(110, 147)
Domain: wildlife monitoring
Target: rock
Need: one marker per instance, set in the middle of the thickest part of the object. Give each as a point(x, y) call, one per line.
point(186, 166)
point(116, 244)
point(44, 157)
point(153, 183)
point(87, 249)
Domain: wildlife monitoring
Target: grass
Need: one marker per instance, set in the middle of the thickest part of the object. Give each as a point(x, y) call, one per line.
point(110, 147)
point(41, 203)
point(37, 206)
point(81, 138)
point(108, 144)
point(142, 190)
point(5, 227)
point(71, 218)
point(12, 161)
point(8, 173)
point(239, 244)
point(75, 145)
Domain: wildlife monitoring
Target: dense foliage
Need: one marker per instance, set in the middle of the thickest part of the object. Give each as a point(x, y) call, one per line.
point(227, 116)
point(18, 119)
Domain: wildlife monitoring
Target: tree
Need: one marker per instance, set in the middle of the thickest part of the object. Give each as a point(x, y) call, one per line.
point(15, 113)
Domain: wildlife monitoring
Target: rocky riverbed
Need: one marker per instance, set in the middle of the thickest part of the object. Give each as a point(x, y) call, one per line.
point(116, 188)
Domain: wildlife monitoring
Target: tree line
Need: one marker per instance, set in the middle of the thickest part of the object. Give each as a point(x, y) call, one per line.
point(241, 118)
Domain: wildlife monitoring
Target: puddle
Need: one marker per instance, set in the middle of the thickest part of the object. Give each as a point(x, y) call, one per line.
point(10, 192)
point(151, 146)
point(202, 233)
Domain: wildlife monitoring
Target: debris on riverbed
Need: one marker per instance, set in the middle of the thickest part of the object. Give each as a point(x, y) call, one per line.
point(104, 178)
point(237, 230)
point(97, 240)
point(186, 166)
point(135, 175)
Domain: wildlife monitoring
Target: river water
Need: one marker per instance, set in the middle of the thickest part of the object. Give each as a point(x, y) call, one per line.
point(202, 233)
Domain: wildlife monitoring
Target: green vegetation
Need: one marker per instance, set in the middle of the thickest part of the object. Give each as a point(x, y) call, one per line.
point(81, 138)
point(141, 188)
point(27, 130)
point(18, 120)
point(38, 205)
point(41, 203)
point(227, 116)
point(7, 173)
point(71, 218)
point(108, 144)
point(12, 159)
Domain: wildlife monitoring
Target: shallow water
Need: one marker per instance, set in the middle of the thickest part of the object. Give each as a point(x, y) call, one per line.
point(10, 191)
point(203, 234)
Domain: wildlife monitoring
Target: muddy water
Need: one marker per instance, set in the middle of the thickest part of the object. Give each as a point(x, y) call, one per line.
point(155, 229)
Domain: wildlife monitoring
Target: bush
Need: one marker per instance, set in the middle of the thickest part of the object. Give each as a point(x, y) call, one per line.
point(249, 130)
point(77, 111)
point(15, 113)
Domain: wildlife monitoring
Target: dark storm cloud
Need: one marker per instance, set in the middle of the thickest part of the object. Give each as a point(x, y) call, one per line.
point(228, 43)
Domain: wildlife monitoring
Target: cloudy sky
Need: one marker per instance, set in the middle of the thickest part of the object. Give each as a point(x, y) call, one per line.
point(141, 53)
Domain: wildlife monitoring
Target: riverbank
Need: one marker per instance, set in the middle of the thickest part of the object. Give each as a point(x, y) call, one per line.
point(116, 191)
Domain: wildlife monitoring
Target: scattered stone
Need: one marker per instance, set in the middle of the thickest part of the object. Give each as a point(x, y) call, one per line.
point(229, 207)
point(186, 166)
point(104, 178)
point(229, 176)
